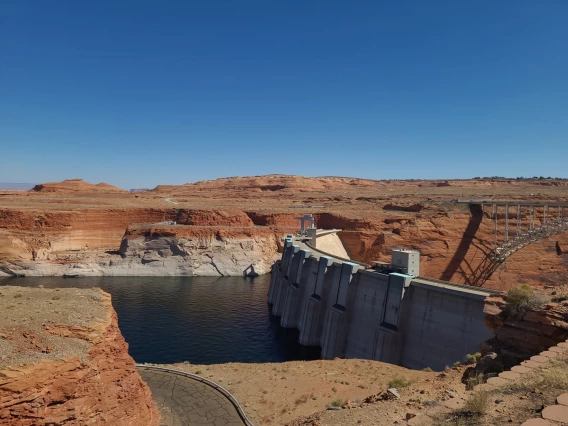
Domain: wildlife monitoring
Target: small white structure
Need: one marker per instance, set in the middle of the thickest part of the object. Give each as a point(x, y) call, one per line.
point(303, 220)
point(405, 258)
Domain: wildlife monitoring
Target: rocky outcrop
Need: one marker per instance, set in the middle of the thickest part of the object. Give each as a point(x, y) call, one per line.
point(166, 250)
point(75, 185)
point(199, 250)
point(519, 338)
point(68, 373)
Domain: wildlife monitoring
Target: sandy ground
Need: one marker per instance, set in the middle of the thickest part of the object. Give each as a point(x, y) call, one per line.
point(29, 319)
point(290, 193)
point(278, 393)
point(442, 401)
point(299, 393)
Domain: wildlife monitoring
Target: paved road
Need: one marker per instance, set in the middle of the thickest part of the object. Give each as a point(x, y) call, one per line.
point(185, 401)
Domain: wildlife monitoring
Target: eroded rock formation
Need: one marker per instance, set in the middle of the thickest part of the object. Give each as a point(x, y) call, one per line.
point(184, 250)
point(520, 336)
point(75, 185)
point(65, 362)
point(80, 232)
point(166, 250)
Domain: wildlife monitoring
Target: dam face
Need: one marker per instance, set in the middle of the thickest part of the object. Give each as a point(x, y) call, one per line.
point(353, 312)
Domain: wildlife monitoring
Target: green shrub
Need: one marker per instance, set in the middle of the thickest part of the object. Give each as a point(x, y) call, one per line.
point(473, 381)
point(522, 298)
point(399, 382)
point(472, 358)
point(477, 403)
point(427, 369)
point(457, 364)
point(338, 403)
point(520, 294)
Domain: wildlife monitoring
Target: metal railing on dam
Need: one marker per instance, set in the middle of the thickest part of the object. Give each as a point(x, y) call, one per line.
point(352, 312)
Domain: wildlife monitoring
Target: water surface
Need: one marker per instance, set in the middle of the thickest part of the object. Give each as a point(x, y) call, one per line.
point(203, 320)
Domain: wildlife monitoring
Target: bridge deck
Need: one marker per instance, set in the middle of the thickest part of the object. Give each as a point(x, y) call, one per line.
point(503, 203)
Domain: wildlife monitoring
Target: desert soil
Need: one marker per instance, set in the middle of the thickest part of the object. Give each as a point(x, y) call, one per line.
point(299, 393)
point(28, 317)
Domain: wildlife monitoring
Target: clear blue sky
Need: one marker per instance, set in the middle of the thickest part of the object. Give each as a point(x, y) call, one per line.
point(138, 93)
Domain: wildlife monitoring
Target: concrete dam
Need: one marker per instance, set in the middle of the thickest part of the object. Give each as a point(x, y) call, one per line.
point(387, 313)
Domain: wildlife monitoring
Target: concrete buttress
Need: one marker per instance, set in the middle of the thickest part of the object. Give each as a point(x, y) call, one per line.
point(282, 284)
point(334, 336)
point(295, 291)
point(276, 274)
point(312, 309)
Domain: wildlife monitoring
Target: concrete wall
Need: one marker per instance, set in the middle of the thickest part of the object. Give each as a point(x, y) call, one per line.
point(355, 313)
point(331, 243)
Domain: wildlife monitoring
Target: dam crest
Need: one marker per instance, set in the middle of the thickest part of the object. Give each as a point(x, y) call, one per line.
point(387, 313)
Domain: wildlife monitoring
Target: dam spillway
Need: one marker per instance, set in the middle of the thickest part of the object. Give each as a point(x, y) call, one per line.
point(382, 314)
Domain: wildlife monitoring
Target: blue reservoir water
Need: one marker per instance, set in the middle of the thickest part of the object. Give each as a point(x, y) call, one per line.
point(203, 320)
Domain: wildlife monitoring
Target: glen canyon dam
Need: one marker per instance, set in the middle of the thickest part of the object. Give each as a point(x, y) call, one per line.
point(294, 213)
point(279, 299)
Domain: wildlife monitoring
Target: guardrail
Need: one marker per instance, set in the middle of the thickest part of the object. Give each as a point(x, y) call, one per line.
point(460, 286)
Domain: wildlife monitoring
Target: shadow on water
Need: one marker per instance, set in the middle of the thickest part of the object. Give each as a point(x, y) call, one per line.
point(203, 320)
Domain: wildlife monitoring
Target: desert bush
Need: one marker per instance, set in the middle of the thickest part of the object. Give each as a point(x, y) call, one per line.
point(427, 369)
point(474, 381)
point(472, 358)
point(477, 403)
point(399, 382)
point(522, 298)
point(457, 364)
point(338, 403)
point(520, 294)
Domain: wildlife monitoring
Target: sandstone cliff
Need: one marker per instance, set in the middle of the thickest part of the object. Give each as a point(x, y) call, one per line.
point(518, 337)
point(164, 250)
point(75, 185)
point(76, 232)
point(187, 250)
point(63, 361)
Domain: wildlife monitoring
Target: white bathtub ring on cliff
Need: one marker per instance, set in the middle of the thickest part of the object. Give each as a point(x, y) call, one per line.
point(208, 382)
